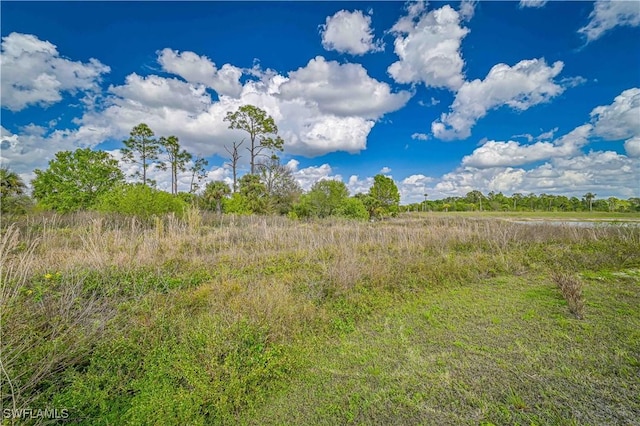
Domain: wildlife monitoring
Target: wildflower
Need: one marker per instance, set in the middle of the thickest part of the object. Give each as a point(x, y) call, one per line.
point(48, 276)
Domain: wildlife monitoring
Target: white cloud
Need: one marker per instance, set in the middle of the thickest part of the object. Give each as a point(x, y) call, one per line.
point(428, 45)
point(632, 147)
point(201, 70)
point(420, 136)
point(467, 9)
point(413, 188)
point(621, 119)
point(603, 172)
point(510, 153)
point(547, 135)
point(385, 170)
point(349, 32)
point(608, 14)
point(323, 107)
point(155, 92)
point(34, 73)
point(494, 154)
point(528, 83)
point(359, 186)
point(532, 3)
point(342, 89)
point(308, 176)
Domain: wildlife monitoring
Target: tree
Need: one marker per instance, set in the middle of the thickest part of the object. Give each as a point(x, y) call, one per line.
point(254, 193)
point(385, 195)
point(588, 197)
point(475, 196)
point(12, 192)
point(198, 173)
point(325, 196)
point(282, 188)
point(74, 180)
point(11, 183)
point(141, 148)
point(235, 156)
point(214, 192)
point(262, 129)
point(516, 197)
point(178, 159)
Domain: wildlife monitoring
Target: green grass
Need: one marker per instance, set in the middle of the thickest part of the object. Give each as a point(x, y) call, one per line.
point(501, 351)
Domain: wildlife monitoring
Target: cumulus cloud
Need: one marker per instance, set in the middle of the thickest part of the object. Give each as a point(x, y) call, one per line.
point(308, 176)
point(428, 45)
point(603, 172)
point(621, 119)
point(34, 73)
point(607, 15)
point(201, 70)
point(527, 83)
point(385, 170)
point(320, 108)
point(511, 153)
point(156, 92)
point(632, 147)
point(342, 89)
point(349, 32)
point(532, 3)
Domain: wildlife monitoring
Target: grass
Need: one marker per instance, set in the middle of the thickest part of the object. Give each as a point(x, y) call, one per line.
point(434, 318)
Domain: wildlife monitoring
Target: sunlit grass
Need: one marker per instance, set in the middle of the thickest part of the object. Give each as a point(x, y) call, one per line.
point(430, 318)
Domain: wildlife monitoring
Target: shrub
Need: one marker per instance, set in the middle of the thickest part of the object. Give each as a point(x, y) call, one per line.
point(571, 288)
point(140, 200)
point(352, 208)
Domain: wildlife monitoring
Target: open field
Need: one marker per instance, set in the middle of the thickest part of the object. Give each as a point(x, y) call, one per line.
point(424, 319)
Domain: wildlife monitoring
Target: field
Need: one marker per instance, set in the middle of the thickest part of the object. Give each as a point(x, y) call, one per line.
point(422, 319)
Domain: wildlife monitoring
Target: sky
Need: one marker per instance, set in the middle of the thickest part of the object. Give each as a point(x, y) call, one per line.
point(444, 97)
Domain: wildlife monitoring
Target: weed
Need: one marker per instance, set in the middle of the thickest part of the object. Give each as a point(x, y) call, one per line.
point(571, 288)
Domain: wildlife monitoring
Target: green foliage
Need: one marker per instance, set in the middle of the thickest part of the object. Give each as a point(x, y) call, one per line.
point(323, 199)
point(262, 129)
point(141, 148)
point(352, 208)
point(385, 195)
point(236, 204)
point(140, 200)
point(254, 192)
point(214, 193)
point(75, 180)
point(12, 197)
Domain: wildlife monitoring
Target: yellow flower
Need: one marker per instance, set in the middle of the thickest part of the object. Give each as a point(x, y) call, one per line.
point(29, 292)
point(48, 276)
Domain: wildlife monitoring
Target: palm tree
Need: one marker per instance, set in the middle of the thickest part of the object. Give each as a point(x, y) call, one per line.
point(588, 197)
point(11, 183)
point(214, 192)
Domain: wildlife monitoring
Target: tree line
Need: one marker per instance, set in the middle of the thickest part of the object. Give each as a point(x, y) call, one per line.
point(85, 179)
point(497, 201)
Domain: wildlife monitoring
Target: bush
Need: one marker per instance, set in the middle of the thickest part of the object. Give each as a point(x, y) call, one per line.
point(571, 288)
point(140, 200)
point(352, 208)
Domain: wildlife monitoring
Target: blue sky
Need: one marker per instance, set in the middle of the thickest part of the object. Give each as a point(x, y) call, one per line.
point(445, 97)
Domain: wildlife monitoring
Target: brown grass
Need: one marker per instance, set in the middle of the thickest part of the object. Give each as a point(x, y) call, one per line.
point(571, 288)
